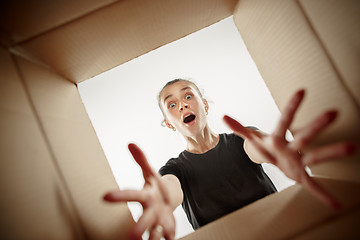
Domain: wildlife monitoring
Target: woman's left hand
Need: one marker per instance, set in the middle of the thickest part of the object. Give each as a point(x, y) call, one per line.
point(291, 157)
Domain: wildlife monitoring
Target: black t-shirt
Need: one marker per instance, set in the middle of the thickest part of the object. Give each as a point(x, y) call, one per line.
point(219, 181)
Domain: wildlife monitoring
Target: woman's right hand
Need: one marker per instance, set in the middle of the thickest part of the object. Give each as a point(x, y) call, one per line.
point(157, 214)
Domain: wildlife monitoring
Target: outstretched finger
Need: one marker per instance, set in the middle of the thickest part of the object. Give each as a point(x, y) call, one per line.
point(125, 196)
point(237, 127)
point(288, 115)
point(145, 221)
point(140, 158)
point(328, 152)
point(156, 233)
point(317, 191)
point(169, 230)
point(305, 135)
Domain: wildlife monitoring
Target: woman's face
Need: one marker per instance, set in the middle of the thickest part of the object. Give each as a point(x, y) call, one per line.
point(184, 108)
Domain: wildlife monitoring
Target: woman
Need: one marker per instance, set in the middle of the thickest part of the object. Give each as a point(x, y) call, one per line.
point(219, 173)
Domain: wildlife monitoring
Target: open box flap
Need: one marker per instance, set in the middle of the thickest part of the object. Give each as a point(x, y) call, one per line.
point(290, 56)
point(23, 20)
point(286, 215)
point(119, 32)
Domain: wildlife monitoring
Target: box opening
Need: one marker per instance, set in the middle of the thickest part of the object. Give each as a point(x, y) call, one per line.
point(122, 102)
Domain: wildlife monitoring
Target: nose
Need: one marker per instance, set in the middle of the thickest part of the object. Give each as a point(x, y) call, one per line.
point(183, 106)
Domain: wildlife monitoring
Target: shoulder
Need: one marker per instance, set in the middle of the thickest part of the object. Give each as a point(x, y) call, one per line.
point(229, 138)
point(172, 166)
point(234, 137)
point(172, 162)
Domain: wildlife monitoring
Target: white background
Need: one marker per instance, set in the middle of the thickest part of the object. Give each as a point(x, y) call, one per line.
point(122, 103)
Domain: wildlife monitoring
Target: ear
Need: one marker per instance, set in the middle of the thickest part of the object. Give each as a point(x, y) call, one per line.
point(206, 105)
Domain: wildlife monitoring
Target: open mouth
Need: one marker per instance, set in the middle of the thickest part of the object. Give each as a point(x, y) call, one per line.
point(189, 118)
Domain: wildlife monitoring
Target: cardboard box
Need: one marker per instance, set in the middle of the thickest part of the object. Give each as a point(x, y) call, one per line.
point(47, 138)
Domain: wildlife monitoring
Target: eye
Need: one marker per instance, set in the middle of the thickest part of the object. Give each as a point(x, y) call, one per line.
point(188, 96)
point(171, 105)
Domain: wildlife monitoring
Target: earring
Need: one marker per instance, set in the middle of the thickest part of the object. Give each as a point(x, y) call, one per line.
point(171, 126)
point(206, 111)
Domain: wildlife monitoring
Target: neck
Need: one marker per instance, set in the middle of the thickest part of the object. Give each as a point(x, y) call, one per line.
point(203, 142)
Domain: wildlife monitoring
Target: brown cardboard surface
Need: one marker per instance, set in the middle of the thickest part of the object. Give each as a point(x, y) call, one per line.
point(32, 195)
point(343, 227)
point(286, 215)
point(289, 57)
point(21, 20)
point(337, 24)
point(53, 171)
point(77, 152)
point(120, 32)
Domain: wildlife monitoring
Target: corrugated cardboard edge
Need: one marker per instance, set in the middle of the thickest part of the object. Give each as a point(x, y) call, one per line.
point(125, 30)
point(289, 57)
point(77, 154)
point(34, 196)
point(285, 215)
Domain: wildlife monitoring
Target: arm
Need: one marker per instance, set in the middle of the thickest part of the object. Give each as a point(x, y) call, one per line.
point(159, 198)
point(252, 152)
point(173, 186)
point(292, 157)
